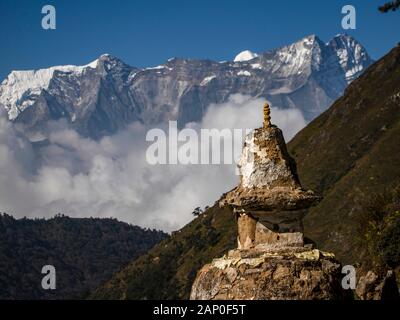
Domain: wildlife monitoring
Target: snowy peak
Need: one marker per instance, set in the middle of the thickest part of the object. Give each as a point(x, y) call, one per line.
point(108, 63)
point(343, 41)
point(353, 57)
point(20, 88)
point(299, 58)
point(109, 59)
point(310, 42)
point(306, 44)
point(310, 54)
point(245, 56)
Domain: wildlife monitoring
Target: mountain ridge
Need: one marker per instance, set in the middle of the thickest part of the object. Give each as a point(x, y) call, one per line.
point(107, 94)
point(84, 251)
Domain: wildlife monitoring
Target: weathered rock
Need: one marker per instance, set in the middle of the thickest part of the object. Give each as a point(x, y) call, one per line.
point(265, 235)
point(374, 287)
point(265, 162)
point(270, 273)
point(266, 201)
point(268, 177)
point(252, 232)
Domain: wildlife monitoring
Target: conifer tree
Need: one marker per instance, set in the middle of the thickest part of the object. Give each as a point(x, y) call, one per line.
point(390, 6)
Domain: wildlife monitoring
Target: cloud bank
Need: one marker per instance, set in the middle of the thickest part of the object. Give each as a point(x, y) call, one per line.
point(81, 177)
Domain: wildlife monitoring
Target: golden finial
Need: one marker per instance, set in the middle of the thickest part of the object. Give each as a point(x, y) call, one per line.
point(267, 115)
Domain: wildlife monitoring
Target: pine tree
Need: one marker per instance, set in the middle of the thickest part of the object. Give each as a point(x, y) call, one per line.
point(390, 6)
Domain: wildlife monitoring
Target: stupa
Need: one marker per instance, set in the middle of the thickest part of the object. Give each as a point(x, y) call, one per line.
point(271, 260)
point(269, 201)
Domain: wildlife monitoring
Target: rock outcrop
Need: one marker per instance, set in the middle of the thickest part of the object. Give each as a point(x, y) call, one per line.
point(372, 286)
point(270, 274)
point(271, 261)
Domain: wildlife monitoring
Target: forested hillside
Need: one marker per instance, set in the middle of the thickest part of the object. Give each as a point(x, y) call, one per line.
point(85, 253)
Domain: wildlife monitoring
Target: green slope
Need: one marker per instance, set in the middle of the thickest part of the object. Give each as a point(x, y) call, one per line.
point(168, 270)
point(348, 153)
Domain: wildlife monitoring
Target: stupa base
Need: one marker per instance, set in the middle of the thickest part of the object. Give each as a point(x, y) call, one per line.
point(270, 273)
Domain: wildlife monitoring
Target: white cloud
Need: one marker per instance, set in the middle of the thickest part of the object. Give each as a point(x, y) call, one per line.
point(81, 177)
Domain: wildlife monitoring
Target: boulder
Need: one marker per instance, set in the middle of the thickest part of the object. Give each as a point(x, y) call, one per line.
point(271, 273)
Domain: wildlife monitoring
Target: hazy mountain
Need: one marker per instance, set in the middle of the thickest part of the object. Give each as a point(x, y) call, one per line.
point(105, 95)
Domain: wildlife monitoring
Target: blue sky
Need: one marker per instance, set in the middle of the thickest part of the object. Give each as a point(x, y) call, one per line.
point(147, 33)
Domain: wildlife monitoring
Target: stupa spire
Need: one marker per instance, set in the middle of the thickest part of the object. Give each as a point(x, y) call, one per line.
point(267, 115)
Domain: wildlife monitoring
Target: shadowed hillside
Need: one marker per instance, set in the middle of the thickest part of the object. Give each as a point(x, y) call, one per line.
point(168, 270)
point(349, 153)
point(85, 253)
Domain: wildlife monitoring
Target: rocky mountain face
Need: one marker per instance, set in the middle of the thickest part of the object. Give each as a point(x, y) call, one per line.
point(348, 155)
point(105, 95)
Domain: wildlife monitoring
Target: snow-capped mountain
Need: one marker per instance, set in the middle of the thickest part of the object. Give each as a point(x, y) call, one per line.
point(21, 87)
point(105, 95)
point(245, 56)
